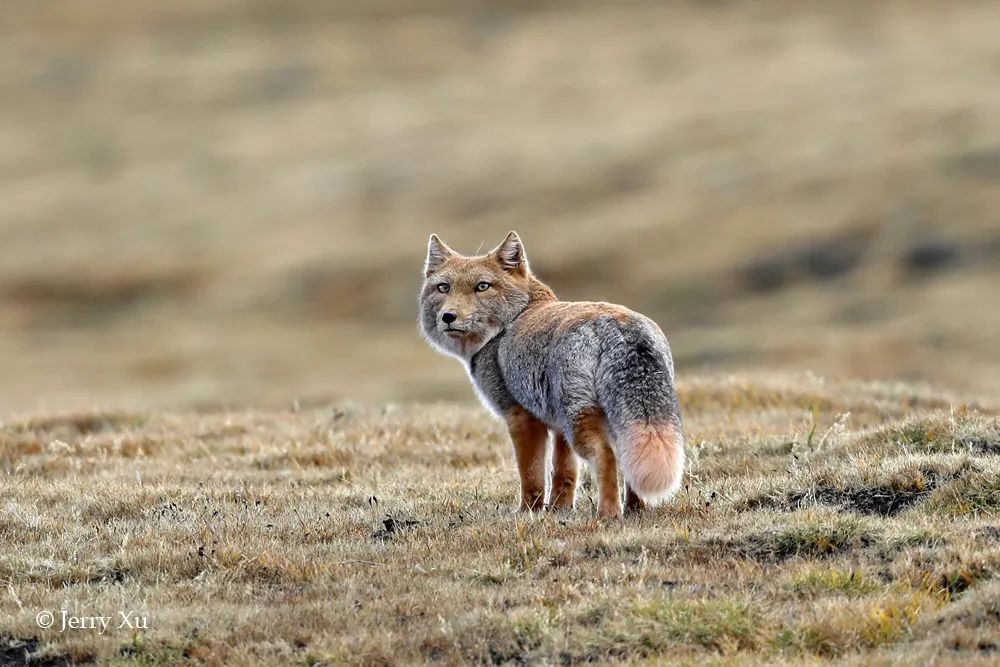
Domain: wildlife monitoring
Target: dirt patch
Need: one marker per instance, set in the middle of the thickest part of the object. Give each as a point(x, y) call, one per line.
point(886, 499)
point(391, 526)
point(980, 445)
point(879, 500)
point(15, 652)
point(806, 542)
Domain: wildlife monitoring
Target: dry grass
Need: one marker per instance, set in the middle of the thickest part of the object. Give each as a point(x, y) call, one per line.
point(208, 205)
point(370, 535)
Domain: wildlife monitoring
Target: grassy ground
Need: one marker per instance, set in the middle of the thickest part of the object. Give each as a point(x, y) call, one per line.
point(819, 521)
point(209, 205)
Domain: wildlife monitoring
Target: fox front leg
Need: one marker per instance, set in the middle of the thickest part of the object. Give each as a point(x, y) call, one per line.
point(529, 437)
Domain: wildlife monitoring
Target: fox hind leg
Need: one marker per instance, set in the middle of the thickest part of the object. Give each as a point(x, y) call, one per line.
point(529, 436)
point(565, 470)
point(591, 441)
point(633, 503)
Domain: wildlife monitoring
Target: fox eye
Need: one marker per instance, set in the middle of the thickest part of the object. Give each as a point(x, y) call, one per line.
point(444, 288)
point(482, 287)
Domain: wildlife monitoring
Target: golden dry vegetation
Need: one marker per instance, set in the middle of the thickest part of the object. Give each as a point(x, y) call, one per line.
point(216, 411)
point(854, 523)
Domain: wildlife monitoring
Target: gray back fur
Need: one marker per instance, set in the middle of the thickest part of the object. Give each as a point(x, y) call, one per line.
point(622, 368)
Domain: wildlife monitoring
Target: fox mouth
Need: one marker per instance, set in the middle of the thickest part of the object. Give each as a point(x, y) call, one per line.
point(452, 332)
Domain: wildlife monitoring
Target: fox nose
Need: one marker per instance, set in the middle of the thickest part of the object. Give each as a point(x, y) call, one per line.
point(449, 317)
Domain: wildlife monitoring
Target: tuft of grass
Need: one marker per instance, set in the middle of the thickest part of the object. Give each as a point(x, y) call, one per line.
point(819, 581)
point(815, 536)
point(973, 496)
point(666, 626)
point(724, 626)
point(935, 433)
point(970, 626)
point(879, 484)
point(950, 575)
point(842, 627)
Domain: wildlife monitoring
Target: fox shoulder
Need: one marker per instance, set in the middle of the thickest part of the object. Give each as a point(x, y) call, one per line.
point(562, 315)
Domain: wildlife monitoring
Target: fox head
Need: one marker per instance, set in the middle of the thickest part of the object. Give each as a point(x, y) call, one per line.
point(466, 301)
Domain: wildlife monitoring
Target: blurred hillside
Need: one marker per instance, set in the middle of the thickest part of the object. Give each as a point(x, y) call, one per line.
point(228, 202)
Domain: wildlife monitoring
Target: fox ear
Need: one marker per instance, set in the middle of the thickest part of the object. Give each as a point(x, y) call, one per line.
point(510, 254)
point(437, 254)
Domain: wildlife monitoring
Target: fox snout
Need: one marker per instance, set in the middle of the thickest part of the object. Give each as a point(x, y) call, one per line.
point(451, 324)
point(452, 318)
point(451, 314)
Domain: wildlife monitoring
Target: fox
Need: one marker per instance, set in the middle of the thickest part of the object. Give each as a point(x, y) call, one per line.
point(595, 378)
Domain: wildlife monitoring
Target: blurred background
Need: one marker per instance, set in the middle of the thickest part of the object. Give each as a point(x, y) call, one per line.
point(228, 202)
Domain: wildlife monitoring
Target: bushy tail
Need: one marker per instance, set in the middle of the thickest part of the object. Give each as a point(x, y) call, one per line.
point(651, 456)
point(636, 391)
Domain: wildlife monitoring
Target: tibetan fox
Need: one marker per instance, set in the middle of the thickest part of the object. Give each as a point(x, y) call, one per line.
point(598, 376)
